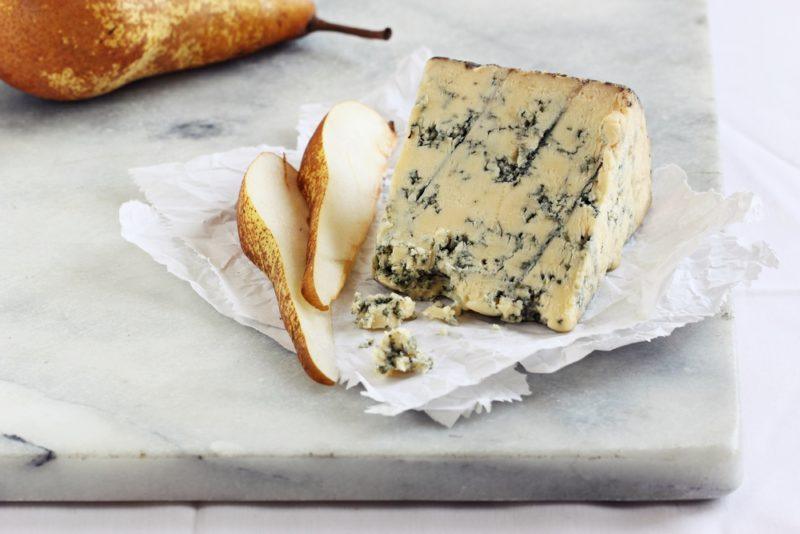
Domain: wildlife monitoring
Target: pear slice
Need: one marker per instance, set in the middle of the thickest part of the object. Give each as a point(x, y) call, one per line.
point(340, 178)
point(272, 217)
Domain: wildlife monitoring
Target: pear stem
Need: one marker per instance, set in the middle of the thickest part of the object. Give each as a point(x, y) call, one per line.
point(319, 25)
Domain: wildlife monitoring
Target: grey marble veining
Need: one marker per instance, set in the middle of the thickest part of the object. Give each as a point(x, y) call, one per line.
point(117, 382)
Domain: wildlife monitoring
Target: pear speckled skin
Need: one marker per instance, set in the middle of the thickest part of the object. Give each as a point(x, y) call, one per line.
point(312, 181)
point(76, 49)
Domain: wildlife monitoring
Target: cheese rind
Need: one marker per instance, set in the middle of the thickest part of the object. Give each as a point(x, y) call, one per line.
point(515, 191)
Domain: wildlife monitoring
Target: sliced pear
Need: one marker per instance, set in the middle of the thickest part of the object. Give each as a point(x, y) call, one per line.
point(340, 178)
point(272, 217)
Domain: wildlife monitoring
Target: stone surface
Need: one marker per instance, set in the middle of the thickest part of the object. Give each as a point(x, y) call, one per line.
point(117, 382)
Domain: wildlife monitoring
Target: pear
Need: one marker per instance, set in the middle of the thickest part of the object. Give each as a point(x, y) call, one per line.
point(72, 50)
point(272, 217)
point(340, 178)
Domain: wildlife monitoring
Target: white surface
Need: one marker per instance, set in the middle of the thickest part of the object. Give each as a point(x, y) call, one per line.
point(757, 76)
point(116, 371)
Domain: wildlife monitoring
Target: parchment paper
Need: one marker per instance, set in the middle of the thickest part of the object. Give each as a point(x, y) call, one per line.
point(679, 268)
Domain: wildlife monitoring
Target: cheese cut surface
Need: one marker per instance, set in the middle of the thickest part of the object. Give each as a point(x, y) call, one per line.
point(515, 191)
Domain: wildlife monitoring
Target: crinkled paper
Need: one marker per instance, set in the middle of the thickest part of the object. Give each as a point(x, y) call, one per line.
point(678, 269)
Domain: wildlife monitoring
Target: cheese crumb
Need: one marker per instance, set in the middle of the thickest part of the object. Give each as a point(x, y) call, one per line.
point(375, 312)
point(397, 354)
point(442, 313)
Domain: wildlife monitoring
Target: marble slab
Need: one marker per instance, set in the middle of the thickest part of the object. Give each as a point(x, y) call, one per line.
point(118, 383)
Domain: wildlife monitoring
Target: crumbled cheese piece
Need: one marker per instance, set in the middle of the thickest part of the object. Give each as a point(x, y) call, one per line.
point(375, 312)
point(442, 313)
point(397, 354)
point(514, 192)
point(496, 327)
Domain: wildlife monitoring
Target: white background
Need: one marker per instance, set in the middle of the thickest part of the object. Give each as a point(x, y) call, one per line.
point(756, 50)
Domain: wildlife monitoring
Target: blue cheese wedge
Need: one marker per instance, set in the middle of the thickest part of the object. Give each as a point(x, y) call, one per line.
point(441, 312)
point(397, 354)
point(515, 191)
point(375, 312)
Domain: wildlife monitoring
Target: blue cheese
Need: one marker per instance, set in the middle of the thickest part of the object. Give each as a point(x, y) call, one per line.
point(397, 354)
point(444, 313)
point(375, 312)
point(515, 191)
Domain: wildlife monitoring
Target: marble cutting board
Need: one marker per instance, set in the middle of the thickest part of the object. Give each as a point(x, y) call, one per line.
point(118, 383)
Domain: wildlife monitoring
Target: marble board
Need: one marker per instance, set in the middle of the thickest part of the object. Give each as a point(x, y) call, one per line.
point(118, 383)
